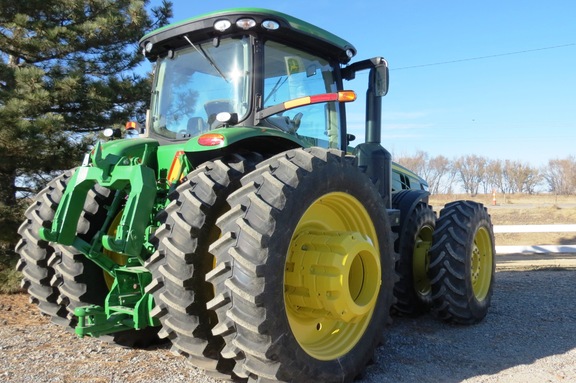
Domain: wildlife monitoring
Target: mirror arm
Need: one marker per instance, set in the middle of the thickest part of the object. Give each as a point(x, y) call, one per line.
point(349, 72)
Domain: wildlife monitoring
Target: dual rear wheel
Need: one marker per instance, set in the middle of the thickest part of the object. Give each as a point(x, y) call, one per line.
point(299, 288)
point(462, 263)
point(415, 232)
point(447, 264)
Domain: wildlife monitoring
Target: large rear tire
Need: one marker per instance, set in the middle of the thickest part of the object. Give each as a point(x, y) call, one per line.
point(305, 270)
point(35, 253)
point(462, 263)
point(181, 261)
point(413, 291)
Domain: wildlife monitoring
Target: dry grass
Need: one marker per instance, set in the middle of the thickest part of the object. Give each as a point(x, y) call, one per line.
point(508, 200)
point(523, 209)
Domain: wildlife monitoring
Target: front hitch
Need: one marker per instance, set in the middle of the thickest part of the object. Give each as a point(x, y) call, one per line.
point(125, 168)
point(121, 169)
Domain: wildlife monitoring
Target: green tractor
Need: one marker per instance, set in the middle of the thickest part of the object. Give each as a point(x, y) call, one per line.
point(241, 224)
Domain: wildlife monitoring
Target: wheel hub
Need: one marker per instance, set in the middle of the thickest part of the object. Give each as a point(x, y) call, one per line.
point(421, 261)
point(481, 264)
point(332, 274)
point(476, 264)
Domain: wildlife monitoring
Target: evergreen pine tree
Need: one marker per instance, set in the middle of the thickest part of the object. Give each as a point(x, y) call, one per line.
point(66, 71)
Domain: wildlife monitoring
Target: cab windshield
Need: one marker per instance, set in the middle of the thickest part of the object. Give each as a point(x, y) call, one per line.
point(197, 83)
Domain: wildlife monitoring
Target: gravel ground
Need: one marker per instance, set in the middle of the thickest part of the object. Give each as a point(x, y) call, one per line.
point(526, 337)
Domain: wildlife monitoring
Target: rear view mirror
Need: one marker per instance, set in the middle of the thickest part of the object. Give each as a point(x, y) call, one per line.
point(378, 82)
point(381, 78)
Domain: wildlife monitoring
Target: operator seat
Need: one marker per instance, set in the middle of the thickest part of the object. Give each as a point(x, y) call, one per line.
point(196, 126)
point(212, 109)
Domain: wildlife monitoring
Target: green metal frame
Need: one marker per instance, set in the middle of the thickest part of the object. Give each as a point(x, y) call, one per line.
point(116, 171)
point(126, 307)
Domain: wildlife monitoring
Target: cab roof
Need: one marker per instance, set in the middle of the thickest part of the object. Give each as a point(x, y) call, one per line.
point(292, 31)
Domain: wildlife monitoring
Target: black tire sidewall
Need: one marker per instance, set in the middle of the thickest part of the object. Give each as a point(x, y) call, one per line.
point(36, 254)
point(333, 176)
point(454, 299)
point(421, 216)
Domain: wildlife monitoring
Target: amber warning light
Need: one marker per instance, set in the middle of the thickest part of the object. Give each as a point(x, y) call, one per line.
point(342, 96)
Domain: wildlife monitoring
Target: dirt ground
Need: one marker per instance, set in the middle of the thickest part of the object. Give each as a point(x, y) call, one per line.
point(16, 310)
point(524, 338)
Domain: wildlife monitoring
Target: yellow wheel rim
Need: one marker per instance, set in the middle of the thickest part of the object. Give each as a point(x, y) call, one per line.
point(332, 276)
point(481, 264)
point(421, 261)
point(116, 257)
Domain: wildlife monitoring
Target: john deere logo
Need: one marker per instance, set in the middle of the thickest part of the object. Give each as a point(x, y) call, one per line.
point(293, 65)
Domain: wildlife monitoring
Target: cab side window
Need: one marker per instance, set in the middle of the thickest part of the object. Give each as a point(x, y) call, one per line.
point(400, 181)
point(291, 74)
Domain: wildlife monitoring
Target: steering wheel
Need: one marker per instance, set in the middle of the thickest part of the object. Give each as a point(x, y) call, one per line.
point(296, 122)
point(182, 134)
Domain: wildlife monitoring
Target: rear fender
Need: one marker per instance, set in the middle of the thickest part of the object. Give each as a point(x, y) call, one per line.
point(406, 201)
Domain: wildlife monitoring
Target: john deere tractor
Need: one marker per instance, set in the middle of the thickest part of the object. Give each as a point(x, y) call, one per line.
point(242, 223)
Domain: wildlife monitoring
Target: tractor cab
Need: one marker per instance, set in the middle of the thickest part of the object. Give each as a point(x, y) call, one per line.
point(250, 68)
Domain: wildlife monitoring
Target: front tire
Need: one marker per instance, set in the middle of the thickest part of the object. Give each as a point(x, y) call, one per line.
point(462, 263)
point(307, 269)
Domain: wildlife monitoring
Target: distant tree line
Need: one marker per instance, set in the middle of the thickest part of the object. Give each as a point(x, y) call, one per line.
point(473, 174)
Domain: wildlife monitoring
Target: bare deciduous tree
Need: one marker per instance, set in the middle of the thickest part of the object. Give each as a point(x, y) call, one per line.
point(474, 173)
point(417, 163)
point(441, 175)
point(471, 170)
point(495, 176)
point(521, 177)
point(560, 175)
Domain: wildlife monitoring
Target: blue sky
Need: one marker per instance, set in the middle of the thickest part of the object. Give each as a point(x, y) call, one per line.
point(491, 78)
